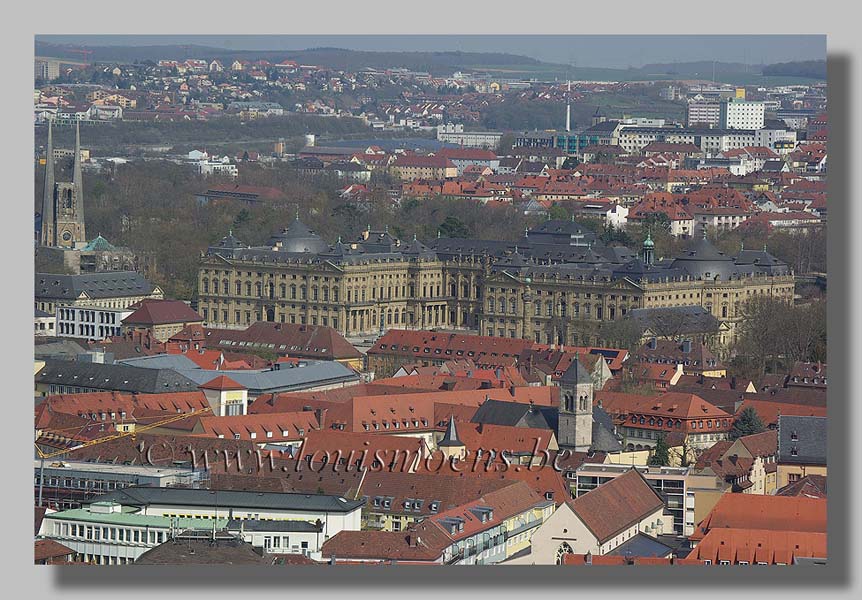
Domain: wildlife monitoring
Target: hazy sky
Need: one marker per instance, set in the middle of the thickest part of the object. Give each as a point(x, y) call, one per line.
point(618, 51)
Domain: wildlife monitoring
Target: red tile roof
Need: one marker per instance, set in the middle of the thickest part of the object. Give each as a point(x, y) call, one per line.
point(266, 428)
point(616, 505)
point(810, 486)
point(515, 440)
point(759, 546)
point(769, 411)
point(160, 312)
point(222, 383)
point(774, 513)
point(302, 341)
point(366, 447)
point(484, 350)
point(45, 550)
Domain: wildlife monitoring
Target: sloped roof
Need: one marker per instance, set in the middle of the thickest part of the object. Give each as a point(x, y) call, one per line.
point(774, 513)
point(616, 505)
point(499, 412)
point(160, 312)
point(576, 374)
point(221, 383)
point(110, 284)
point(810, 486)
point(293, 339)
point(122, 378)
point(98, 244)
point(758, 545)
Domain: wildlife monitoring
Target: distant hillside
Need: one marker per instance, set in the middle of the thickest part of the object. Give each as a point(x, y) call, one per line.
point(699, 69)
point(814, 69)
point(437, 63)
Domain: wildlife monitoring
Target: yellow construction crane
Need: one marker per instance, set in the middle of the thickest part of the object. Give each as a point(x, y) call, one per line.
point(108, 438)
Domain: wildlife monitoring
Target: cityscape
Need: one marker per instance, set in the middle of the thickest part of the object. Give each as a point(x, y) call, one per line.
point(350, 307)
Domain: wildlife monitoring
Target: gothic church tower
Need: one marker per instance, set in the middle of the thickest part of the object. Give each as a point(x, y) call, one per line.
point(63, 202)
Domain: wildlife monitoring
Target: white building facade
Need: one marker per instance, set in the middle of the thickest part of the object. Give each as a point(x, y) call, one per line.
point(742, 114)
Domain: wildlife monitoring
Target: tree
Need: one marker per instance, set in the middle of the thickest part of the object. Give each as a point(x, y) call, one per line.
point(504, 146)
point(557, 212)
point(747, 423)
point(453, 227)
point(660, 456)
point(621, 333)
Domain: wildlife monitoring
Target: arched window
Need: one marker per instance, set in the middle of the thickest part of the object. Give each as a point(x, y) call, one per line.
point(225, 286)
point(562, 551)
point(335, 294)
point(302, 293)
point(549, 308)
point(215, 286)
point(314, 292)
point(259, 289)
point(326, 294)
point(238, 288)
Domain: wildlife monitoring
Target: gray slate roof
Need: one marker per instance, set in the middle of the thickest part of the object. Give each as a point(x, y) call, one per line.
point(576, 373)
point(499, 412)
point(641, 545)
point(604, 439)
point(802, 440)
point(111, 284)
point(145, 496)
point(122, 378)
point(284, 379)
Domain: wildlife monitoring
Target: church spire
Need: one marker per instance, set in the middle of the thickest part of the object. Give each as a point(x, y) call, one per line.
point(47, 233)
point(451, 436)
point(77, 182)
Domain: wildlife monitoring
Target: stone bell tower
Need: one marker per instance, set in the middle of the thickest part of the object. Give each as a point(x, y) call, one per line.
point(575, 421)
point(63, 202)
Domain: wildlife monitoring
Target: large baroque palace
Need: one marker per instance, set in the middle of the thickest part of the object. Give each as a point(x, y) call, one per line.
point(557, 284)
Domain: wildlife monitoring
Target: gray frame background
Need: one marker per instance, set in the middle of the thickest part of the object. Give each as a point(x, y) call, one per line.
point(833, 18)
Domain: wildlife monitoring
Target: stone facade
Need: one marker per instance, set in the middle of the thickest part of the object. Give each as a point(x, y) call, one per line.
point(541, 288)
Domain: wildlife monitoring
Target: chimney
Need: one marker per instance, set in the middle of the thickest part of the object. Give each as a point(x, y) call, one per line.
point(320, 413)
point(733, 382)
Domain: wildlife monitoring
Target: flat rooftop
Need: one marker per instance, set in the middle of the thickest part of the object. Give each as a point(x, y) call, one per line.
point(110, 468)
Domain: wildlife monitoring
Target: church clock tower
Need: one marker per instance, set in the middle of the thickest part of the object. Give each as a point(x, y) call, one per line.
point(575, 421)
point(63, 202)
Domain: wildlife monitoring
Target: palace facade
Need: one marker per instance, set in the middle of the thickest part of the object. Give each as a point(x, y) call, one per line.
point(557, 284)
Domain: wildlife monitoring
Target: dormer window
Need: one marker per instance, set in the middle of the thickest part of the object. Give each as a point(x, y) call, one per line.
point(794, 437)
